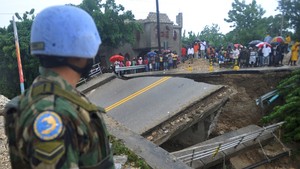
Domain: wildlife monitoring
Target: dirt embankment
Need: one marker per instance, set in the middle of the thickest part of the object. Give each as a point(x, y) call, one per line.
point(241, 110)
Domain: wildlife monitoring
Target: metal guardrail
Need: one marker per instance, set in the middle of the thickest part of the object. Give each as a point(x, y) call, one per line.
point(96, 70)
point(118, 69)
point(199, 152)
point(261, 99)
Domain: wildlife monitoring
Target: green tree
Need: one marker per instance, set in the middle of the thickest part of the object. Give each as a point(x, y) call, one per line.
point(9, 79)
point(291, 13)
point(213, 35)
point(277, 26)
point(210, 34)
point(115, 25)
point(289, 89)
point(8, 64)
point(188, 40)
point(247, 21)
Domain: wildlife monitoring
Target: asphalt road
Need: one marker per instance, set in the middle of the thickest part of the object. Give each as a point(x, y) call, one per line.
point(142, 103)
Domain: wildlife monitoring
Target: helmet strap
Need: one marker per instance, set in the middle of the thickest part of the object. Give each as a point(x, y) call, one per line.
point(83, 71)
point(50, 62)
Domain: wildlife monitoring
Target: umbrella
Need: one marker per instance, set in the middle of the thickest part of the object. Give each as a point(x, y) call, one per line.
point(275, 43)
point(196, 40)
point(268, 39)
point(237, 45)
point(151, 54)
point(278, 39)
point(254, 42)
point(116, 58)
point(261, 44)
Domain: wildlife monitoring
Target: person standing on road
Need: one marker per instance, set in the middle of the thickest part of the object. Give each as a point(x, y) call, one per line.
point(146, 63)
point(175, 59)
point(127, 64)
point(156, 58)
point(202, 48)
point(140, 61)
point(295, 53)
point(278, 54)
point(229, 54)
point(266, 50)
point(133, 63)
point(183, 54)
point(253, 56)
point(190, 54)
point(170, 60)
point(236, 54)
point(196, 50)
point(244, 57)
point(166, 60)
point(287, 43)
point(53, 125)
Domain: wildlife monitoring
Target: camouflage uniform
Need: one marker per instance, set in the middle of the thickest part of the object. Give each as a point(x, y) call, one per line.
point(57, 129)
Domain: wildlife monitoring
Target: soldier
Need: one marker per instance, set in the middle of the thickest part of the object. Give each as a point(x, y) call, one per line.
point(52, 125)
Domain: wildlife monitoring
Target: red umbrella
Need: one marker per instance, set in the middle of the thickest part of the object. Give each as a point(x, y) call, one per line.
point(261, 44)
point(116, 58)
point(278, 39)
point(237, 45)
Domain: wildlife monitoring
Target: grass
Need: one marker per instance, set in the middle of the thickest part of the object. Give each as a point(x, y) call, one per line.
point(119, 148)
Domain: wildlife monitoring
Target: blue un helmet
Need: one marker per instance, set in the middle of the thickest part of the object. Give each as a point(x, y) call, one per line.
point(64, 31)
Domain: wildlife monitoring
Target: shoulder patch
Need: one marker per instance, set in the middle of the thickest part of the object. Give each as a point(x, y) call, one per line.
point(48, 125)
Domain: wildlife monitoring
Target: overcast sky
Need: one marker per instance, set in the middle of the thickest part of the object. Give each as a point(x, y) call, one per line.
point(196, 13)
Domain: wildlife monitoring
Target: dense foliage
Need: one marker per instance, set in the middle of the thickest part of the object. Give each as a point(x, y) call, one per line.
point(9, 79)
point(291, 13)
point(289, 112)
point(115, 25)
point(248, 23)
point(211, 35)
point(247, 20)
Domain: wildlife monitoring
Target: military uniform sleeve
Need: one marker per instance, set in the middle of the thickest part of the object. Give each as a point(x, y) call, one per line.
point(54, 142)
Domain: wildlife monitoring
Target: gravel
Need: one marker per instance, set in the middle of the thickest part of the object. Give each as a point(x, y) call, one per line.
point(4, 155)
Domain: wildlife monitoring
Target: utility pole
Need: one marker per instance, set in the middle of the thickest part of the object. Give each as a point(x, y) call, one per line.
point(158, 27)
point(282, 19)
point(18, 56)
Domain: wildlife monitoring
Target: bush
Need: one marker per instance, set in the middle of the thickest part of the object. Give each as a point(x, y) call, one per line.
point(289, 112)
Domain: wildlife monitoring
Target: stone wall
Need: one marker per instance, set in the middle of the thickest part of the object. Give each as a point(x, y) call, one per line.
point(3, 101)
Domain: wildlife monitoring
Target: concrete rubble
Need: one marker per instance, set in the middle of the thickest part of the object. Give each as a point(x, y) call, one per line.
point(4, 157)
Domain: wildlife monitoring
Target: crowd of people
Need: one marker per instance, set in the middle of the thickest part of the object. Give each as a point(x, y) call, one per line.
point(258, 54)
point(263, 53)
point(152, 61)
